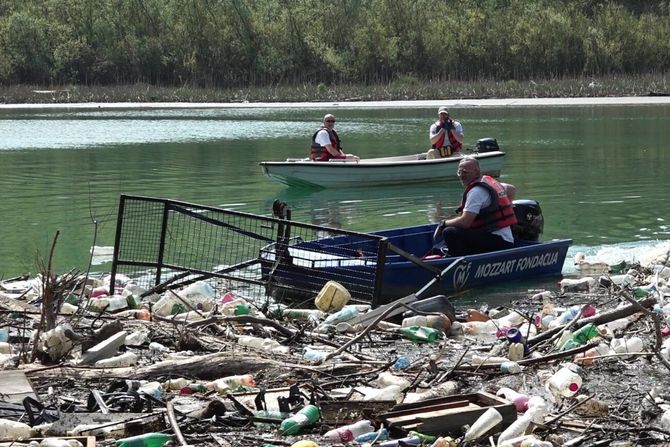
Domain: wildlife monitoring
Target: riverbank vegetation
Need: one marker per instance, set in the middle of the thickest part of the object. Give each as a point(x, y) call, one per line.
point(287, 50)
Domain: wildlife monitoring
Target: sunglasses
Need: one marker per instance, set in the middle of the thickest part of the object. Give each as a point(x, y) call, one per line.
point(330, 121)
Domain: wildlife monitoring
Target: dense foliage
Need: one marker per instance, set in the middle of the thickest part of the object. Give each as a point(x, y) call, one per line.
point(233, 43)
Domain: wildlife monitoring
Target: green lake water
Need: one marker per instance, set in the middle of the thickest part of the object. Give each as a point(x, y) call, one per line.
point(599, 172)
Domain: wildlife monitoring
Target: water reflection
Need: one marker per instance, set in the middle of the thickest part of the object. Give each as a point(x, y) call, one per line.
point(374, 208)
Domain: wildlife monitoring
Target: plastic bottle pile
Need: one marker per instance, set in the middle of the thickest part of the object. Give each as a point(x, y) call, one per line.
point(505, 342)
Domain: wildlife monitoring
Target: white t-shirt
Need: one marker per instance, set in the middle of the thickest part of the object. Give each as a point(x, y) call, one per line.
point(478, 198)
point(322, 137)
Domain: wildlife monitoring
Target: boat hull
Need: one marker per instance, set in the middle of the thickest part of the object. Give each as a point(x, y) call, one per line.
point(374, 171)
point(402, 277)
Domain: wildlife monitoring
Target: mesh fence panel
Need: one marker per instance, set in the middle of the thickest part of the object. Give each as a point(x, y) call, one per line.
point(160, 240)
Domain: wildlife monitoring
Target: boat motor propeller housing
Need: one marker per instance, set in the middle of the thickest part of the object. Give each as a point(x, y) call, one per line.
point(530, 222)
point(487, 145)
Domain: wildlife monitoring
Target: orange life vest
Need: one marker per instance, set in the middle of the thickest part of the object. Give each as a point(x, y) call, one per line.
point(500, 213)
point(453, 146)
point(320, 153)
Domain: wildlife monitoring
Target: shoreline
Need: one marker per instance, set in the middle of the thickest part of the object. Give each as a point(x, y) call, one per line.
point(456, 103)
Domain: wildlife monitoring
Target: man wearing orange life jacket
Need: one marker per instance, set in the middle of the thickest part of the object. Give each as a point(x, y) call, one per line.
point(446, 136)
point(485, 215)
point(326, 144)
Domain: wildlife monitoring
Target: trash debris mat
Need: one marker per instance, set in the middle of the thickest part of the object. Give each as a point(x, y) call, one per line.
point(585, 363)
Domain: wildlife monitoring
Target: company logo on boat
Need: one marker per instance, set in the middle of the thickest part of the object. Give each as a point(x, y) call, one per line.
point(516, 265)
point(461, 274)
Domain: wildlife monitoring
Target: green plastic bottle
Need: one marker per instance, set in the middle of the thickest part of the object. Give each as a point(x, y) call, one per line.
point(309, 415)
point(421, 334)
point(581, 336)
point(145, 440)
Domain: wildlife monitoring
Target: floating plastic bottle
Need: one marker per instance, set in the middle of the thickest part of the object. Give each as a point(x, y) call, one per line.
point(408, 440)
point(487, 360)
point(421, 334)
point(12, 430)
point(145, 440)
point(314, 355)
point(401, 362)
point(520, 400)
point(515, 351)
point(4, 334)
point(125, 359)
point(276, 415)
point(484, 424)
point(564, 383)
point(307, 416)
point(626, 345)
point(349, 432)
point(387, 378)
point(57, 442)
point(510, 367)
point(489, 327)
point(231, 383)
point(589, 356)
point(379, 435)
point(157, 348)
point(347, 313)
point(441, 323)
point(644, 291)
point(389, 392)
point(580, 337)
point(152, 389)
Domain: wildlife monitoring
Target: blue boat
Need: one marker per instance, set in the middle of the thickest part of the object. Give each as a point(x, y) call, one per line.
point(398, 262)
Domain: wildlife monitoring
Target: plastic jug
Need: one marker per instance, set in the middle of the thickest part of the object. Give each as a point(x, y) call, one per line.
point(349, 432)
point(580, 337)
point(332, 297)
point(564, 383)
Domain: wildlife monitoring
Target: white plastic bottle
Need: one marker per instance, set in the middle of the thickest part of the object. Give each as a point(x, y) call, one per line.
point(387, 378)
point(564, 383)
point(489, 419)
point(348, 433)
point(347, 313)
point(487, 360)
point(12, 430)
point(626, 345)
point(125, 359)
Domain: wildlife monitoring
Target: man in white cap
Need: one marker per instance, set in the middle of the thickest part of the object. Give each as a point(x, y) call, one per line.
point(326, 143)
point(446, 135)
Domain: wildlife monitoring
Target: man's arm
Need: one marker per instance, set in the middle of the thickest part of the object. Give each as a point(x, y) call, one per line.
point(463, 221)
point(435, 133)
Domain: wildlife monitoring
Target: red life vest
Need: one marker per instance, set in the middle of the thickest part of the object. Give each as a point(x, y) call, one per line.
point(456, 145)
point(499, 214)
point(320, 153)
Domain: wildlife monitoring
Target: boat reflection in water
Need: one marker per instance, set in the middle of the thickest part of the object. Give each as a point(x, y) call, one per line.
point(369, 209)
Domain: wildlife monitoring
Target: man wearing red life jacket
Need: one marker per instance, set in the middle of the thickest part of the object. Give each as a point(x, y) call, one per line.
point(485, 215)
point(446, 135)
point(326, 144)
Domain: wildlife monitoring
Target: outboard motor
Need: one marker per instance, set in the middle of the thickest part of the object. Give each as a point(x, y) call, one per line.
point(487, 145)
point(530, 222)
